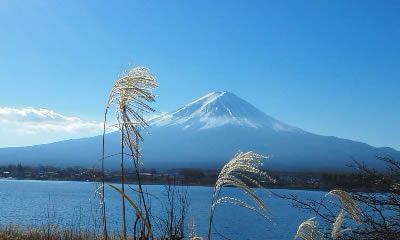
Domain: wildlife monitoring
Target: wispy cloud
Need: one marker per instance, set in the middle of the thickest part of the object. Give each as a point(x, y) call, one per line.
point(38, 119)
point(28, 126)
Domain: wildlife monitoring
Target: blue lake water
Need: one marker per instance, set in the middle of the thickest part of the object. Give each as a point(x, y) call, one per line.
point(74, 204)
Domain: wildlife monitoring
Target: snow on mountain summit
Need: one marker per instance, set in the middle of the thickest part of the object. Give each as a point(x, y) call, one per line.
point(217, 109)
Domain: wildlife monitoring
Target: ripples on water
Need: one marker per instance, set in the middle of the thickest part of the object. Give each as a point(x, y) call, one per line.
point(34, 203)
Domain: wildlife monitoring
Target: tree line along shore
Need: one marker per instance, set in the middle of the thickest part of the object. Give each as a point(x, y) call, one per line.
point(351, 181)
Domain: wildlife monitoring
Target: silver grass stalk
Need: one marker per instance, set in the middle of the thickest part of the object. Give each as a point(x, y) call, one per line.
point(131, 94)
point(308, 230)
point(348, 204)
point(102, 195)
point(337, 225)
point(242, 170)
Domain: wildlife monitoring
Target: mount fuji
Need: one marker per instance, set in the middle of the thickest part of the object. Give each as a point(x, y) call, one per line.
point(206, 133)
point(217, 109)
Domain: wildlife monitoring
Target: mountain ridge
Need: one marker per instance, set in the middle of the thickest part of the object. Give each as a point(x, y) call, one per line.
point(217, 109)
point(206, 133)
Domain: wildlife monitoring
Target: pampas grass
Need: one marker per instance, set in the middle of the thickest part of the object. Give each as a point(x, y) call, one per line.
point(242, 170)
point(131, 95)
point(348, 204)
point(308, 230)
point(337, 225)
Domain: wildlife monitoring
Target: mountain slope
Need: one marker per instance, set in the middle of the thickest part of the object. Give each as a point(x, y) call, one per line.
point(218, 109)
point(206, 133)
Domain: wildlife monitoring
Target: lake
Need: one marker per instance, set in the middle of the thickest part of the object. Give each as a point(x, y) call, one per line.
point(74, 204)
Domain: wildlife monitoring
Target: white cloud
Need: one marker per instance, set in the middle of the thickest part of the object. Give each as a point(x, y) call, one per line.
point(26, 126)
point(36, 120)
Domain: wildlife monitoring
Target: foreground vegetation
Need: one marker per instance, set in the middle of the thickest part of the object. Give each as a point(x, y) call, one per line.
point(339, 215)
point(17, 233)
point(357, 215)
point(53, 233)
point(378, 213)
point(131, 95)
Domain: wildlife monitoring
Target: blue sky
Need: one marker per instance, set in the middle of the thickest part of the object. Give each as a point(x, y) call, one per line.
point(329, 67)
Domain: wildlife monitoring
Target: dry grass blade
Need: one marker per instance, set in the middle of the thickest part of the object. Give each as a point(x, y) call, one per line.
point(349, 204)
point(337, 225)
point(308, 230)
point(240, 203)
point(242, 172)
point(132, 94)
point(136, 207)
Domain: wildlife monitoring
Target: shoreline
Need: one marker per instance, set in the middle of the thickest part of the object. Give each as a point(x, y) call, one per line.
point(269, 187)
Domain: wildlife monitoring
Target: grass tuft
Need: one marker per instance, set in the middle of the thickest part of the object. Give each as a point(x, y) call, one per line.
point(241, 172)
point(308, 230)
point(348, 204)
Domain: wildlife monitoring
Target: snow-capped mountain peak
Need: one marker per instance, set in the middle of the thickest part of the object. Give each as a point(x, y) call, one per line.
point(204, 134)
point(217, 109)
